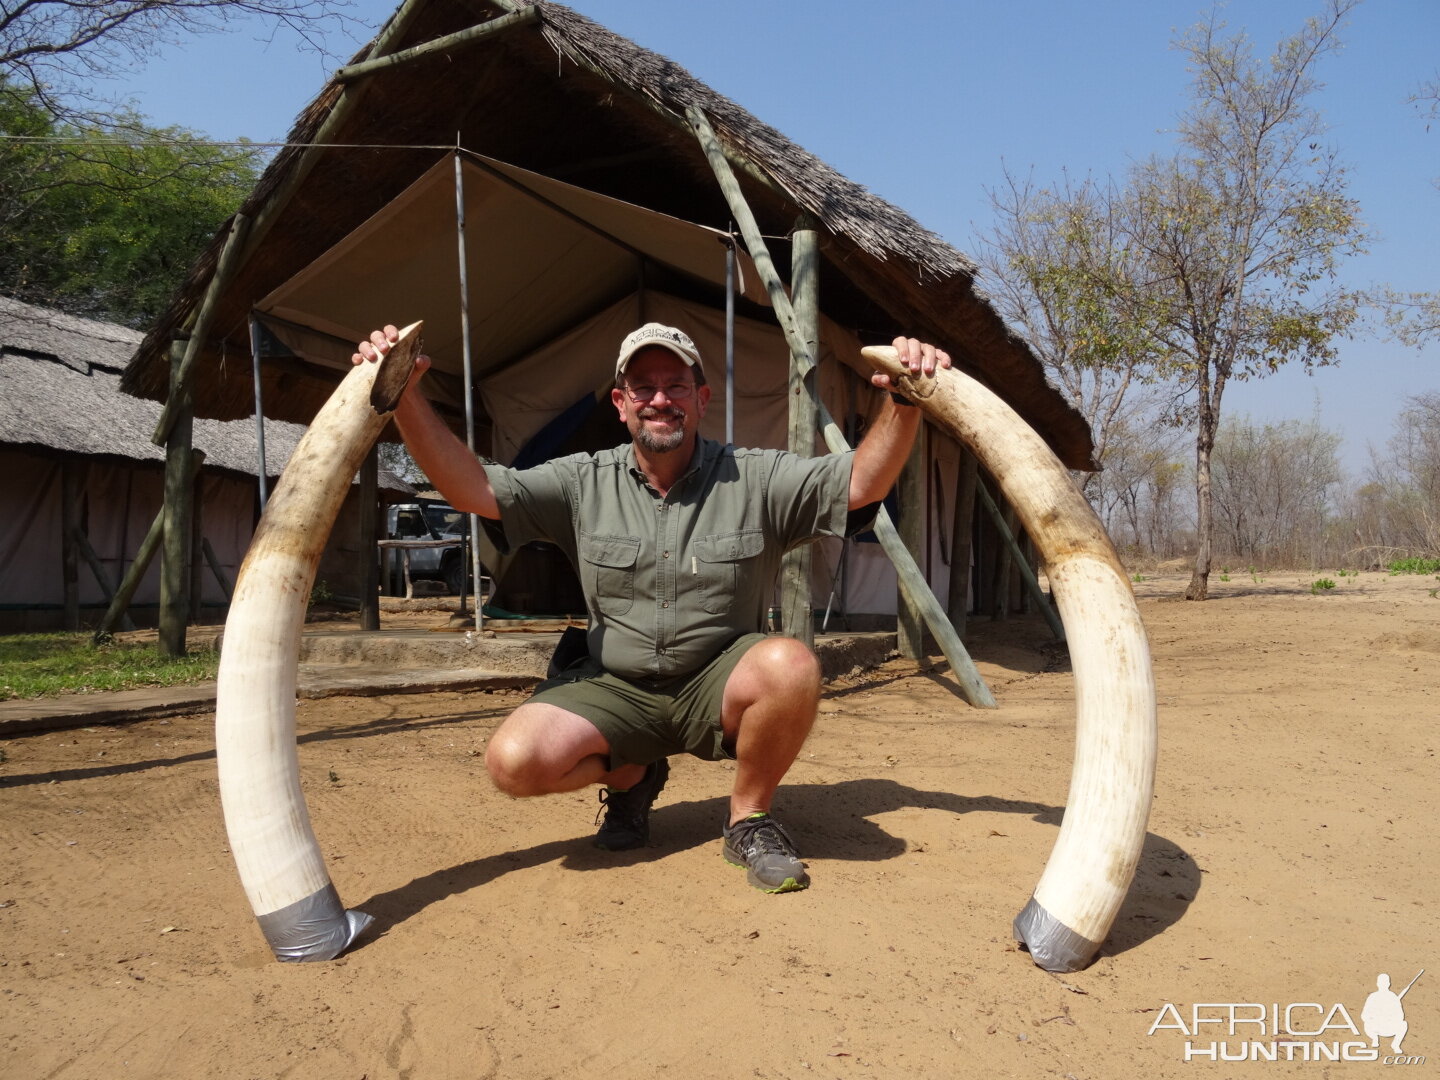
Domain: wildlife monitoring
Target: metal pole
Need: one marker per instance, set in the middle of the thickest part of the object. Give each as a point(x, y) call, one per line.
point(468, 366)
point(259, 412)
point(730, 336)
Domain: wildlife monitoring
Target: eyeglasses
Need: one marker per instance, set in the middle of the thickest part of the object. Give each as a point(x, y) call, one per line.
point(676, 391)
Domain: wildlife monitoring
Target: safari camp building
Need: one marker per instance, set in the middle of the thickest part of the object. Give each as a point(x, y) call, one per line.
point(532, 187)
point(84, 482)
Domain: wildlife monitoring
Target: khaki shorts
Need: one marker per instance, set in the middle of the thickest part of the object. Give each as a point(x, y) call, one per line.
point(645, 721)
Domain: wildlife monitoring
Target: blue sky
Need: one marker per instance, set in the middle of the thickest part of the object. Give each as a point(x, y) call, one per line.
point(926, 102)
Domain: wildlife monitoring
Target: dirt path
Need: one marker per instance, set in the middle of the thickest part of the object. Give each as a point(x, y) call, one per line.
point(1292, 859)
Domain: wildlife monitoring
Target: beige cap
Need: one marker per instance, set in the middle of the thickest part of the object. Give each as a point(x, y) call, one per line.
point(667, 337)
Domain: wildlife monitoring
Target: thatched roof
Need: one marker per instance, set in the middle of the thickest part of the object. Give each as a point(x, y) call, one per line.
point(564, 97)
point(60, 392)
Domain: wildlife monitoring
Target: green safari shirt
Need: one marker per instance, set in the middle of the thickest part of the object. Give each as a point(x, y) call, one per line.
point(670, 582)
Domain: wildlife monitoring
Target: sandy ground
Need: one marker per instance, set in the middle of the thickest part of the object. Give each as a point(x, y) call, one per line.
point(1291, 858)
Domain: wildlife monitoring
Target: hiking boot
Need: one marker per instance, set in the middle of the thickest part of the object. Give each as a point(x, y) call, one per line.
point(627, 813)
point(759, 844)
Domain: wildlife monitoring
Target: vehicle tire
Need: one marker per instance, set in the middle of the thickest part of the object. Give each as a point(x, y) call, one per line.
point(454, 572)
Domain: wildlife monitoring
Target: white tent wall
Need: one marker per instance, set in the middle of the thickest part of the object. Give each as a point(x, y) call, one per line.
point(118, 503)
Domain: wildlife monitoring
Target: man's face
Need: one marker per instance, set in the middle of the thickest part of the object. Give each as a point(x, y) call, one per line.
point(659, 423)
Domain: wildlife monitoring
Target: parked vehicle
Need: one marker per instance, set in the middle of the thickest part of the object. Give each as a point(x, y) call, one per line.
point(427, 519)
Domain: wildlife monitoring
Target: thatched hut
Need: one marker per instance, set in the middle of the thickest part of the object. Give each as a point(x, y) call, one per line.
point(84, 481)
point(588, 205)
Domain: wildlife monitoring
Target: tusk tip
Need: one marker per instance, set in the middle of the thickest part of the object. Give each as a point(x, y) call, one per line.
point(395, 369)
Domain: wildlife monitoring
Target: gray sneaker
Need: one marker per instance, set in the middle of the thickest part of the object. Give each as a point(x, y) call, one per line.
point(759, 844)
point(627, 813)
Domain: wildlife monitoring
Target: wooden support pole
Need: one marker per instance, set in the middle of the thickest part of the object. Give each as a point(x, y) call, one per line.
point(69, 529)
point(97, 568)
point(796, 615)
point(216, 569)
point(1032, 583)
point(443, 44)
point(1004, 563)
point(909, 628)
point(369, 496)
point(225, 268)
point(116, 613)
point(912, 581)
point(179, 491)
point(961, 543)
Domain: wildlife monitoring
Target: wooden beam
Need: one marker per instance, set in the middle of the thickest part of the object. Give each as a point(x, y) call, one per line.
point(457, 40)
point(215, 567)
point(225, 269)
point(909, 631)
point(796, 615)
point(179, 492)
point(972, 686)
point(1032, 583)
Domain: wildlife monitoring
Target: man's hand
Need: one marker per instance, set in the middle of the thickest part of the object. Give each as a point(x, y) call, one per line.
point(921, 358)
point(379, 343)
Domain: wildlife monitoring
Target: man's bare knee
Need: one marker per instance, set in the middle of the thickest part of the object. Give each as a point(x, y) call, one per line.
point(513, 766)
point(786, 662)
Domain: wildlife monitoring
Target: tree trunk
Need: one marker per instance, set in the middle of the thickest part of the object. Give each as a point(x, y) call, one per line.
point(1199, 587)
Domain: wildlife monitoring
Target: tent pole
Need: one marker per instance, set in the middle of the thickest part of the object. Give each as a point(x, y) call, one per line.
point(259, 412)
point(469, 368)
point(369, 530)
point(730, 337)
point(972, 686)
point(796, 617)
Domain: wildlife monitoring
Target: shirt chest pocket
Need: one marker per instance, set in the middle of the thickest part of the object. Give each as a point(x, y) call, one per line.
point(608, 566)
point(722, 561)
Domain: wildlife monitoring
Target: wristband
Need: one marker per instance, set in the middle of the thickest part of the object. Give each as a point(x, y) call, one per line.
point(901, 399)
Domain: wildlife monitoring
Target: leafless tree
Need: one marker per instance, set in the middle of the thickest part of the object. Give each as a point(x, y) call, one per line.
point(1274, 491)
point(1399, 506)
point(55, 49)
point(1050, 260)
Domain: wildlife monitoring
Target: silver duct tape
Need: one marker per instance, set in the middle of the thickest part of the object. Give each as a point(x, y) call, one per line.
point(1052, 944)
point(315, 928)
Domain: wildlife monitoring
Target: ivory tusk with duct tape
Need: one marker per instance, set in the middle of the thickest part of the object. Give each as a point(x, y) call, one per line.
point(268, 823)
point(1113, 776)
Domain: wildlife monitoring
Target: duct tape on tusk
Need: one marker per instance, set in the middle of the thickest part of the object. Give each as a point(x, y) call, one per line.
point(315, 928)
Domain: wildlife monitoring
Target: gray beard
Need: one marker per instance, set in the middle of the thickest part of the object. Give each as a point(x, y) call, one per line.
point(660, 444)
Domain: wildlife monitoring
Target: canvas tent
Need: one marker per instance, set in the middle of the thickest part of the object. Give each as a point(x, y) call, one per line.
point(66, 429)
point(588, 206)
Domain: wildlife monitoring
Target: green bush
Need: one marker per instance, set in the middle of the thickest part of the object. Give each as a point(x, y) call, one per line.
point(1414, 565)
point(1321, 585)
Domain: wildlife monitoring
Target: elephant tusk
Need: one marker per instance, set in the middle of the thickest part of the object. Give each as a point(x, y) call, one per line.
point(275, 849)
point(1113, 777)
